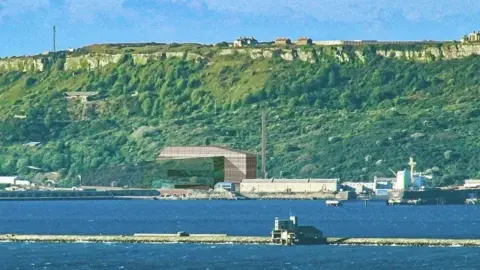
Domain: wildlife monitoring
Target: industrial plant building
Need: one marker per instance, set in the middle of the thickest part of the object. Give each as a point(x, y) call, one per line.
point(193, 167)
point(157, 174)
point(235, 164)
point(289, 185)
point(14, 181)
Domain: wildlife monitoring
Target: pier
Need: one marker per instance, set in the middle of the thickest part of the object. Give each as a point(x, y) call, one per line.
point(225, 239)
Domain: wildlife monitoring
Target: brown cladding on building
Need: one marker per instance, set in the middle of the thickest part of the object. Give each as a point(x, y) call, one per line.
point(237, 165)
point(283, 41)
point(304, 41)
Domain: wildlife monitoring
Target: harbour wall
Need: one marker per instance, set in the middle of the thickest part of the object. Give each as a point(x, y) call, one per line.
point(32, 195)
point(224, 239)
point(300, 196)
point(77, 194)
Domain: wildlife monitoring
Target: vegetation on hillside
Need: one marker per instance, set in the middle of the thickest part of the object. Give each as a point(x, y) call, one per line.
point(350, 120)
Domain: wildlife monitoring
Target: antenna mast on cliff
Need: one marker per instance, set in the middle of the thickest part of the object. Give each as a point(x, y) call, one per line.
point(54, 39)
point(264, 143)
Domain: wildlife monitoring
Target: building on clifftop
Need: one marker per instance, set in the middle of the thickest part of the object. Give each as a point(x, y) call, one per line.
point(472, 37)
point(283, 41)
point(245, 41)
point(304, 41)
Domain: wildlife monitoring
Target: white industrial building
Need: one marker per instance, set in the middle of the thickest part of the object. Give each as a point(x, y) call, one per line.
point(472, 183)
point(382, 185)
point(8, 180)
point(13, 181)
point(359, 187)
point(289, 185)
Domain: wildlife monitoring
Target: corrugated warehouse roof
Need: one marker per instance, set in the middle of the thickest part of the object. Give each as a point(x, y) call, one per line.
point(333, 180)
point(385, 179)
point(290, 180)
point(283, 180)
point(81, 94)
point(196, 151)
point(256, 181)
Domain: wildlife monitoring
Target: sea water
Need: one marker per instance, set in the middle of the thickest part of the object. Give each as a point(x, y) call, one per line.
point(234, 218)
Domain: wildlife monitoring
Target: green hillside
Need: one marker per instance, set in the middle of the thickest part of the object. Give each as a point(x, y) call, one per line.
point(349, 119)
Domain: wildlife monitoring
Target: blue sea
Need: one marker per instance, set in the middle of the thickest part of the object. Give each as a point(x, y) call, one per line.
point(354, 219)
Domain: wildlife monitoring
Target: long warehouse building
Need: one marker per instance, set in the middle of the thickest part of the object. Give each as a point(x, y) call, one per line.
point(289, 185)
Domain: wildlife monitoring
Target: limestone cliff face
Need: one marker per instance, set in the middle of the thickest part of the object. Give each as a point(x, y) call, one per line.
point(21, 64)
point(311, 55)
point(445, 52)
point(267, 53)
point(93, 61)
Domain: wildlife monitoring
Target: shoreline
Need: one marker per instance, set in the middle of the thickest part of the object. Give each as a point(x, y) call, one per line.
point(224, 239)
point(26, 196)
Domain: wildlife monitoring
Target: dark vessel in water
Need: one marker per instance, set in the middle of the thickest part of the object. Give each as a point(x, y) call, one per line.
point(288, 232)
point(433, 196)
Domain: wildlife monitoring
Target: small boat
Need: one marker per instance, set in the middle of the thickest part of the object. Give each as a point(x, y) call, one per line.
point(334, 203)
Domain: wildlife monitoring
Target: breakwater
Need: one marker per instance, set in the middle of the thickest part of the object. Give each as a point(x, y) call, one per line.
point(225, 239)
point(425, 242)
point(145, 238)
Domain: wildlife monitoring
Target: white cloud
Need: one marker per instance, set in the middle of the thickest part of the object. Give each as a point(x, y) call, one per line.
point(12, 8)
point(347, 10)
point(87, 10)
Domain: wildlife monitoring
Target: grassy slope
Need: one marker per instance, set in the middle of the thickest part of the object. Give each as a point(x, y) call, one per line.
point(325, 120)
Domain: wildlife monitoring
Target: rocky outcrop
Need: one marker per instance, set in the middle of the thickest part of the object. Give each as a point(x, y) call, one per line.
point(91, 61)
point(446, 52)
point(21, 64)
point(307, 56)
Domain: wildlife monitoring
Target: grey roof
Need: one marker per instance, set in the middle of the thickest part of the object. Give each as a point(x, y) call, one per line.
point(333, 180)
point(357, 183)
point(35, 168)
point(290, 180)
point(256, 181)
point(81, 94)
point(32, 144)
point(386, 179)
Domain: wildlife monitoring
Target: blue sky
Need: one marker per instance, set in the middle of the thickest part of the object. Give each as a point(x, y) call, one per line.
point(26, 25)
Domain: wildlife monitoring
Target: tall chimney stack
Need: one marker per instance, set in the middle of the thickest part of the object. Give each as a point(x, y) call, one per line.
point(264, 144)
point(54, 39)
